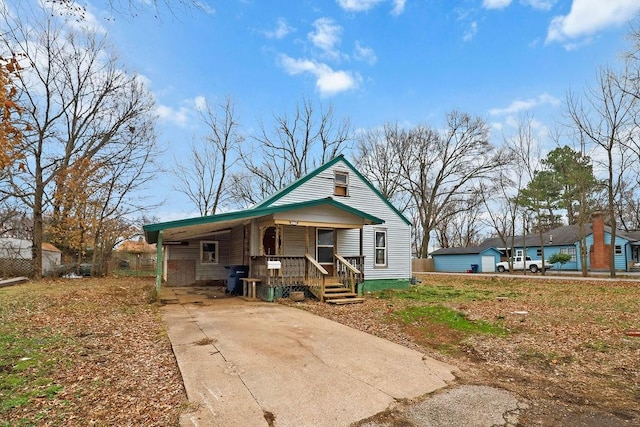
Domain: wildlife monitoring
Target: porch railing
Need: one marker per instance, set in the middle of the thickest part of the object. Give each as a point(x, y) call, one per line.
point(316, 277)
point(348, 274)
point(291, 272)
point(297, 270)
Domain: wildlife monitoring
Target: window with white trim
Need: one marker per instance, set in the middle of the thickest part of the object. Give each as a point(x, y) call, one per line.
point(208, 252)
point(380, 248)
point(341, 183)
point(618, 249)
point(570, 251)
point(539, 252)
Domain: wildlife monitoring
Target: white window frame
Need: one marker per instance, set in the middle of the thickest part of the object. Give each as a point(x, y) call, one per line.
point(318, 245)
point(571, 251)
point(340, 184)
point(376, 247)
point(618, 249)
point(208, 259)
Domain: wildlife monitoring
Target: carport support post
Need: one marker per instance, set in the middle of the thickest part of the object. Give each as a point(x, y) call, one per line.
point(159, 262)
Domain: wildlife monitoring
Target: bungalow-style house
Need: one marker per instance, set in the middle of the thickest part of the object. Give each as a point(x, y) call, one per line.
point(16, 255)
point(330, 234)
point(564, 239)
point(136, 254)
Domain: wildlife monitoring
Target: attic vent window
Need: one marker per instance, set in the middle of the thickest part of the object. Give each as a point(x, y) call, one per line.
point(341, 181)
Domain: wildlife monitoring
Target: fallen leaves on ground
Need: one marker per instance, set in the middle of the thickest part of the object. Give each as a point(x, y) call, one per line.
point(113, 362)
point(566, 342)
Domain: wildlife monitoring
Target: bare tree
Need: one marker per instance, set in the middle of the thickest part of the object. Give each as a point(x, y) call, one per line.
point(461, 229)
point(83, 111)
point(376, 158)
point(605, 116)
point(628, 205)
point(204, 179)
point(295, 145)
point(439, 169)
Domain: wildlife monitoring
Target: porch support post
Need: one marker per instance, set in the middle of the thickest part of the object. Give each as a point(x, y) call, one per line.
point(159, 261)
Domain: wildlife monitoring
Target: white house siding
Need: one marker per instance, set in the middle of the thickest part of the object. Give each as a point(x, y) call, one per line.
point(294, 240)
point(12, 248)
point(348, 242)
point(328, 214)
point(205, 271)
point(361, 197)
point(236, 256)
point(50, 261)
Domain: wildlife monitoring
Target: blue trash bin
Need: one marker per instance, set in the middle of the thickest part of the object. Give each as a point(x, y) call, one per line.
point(474, 268)
point(234, 274)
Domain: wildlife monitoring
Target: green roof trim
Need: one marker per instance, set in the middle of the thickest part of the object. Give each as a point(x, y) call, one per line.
point(295, 184)
point(151, 230)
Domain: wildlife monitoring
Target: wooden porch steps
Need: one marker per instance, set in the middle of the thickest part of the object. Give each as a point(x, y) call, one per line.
point(336, 293)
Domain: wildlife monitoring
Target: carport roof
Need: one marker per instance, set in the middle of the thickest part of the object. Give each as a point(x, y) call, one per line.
point(201, 225)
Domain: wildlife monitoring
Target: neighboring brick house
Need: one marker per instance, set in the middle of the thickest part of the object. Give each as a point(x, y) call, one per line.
point(564, 239)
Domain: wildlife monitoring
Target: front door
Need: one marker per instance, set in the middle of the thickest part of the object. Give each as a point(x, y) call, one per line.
point(325, 248)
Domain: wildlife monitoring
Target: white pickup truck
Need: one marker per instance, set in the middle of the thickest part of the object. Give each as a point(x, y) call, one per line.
point(518, 264)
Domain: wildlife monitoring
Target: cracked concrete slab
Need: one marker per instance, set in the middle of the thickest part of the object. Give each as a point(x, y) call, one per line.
point(259, 364)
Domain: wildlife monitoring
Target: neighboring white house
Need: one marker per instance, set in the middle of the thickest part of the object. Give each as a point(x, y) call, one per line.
point(16, 254)
point(329, 223)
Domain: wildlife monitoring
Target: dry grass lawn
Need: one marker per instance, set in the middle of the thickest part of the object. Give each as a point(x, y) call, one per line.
point(79, 352)
point(566, 346)
point(93, 351)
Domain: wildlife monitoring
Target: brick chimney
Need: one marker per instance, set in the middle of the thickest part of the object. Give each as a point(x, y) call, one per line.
point(599, 252)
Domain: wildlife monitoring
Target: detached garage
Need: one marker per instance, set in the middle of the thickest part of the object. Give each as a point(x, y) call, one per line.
point(461, 260)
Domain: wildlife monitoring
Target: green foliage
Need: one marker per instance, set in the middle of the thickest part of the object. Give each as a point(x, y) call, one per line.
point(574, 173)
point(560, 258)
point(453, 319)
point(25, 364)
point(473, 291)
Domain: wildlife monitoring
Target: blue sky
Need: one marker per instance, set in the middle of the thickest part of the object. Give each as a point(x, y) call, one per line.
point(409, 61)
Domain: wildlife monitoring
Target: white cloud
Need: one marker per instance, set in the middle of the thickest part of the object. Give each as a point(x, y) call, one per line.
point(523, 105)
point(587, 17)
point(326, 35)
point(398, 7)
point(200, 103)
point(539, 4)
point(366, 54)
point(365, 5)
point(178, 117)
point(358, 5)
point(495, 4)
point(328, 81)
point(471, 32)
point(281, 31)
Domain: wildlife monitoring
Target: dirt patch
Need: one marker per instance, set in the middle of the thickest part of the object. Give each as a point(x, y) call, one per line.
point(565, 349)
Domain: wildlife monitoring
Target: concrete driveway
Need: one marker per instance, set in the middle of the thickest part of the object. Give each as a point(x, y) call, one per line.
point(260, 364)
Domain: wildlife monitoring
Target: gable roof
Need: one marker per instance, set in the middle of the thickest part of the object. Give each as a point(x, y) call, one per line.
point(340, 158)
point(200, 225)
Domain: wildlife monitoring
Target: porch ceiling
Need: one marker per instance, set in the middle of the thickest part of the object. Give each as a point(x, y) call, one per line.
point(201, 226)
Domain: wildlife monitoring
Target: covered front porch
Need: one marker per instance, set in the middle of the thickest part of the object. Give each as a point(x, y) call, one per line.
point(312, 247)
